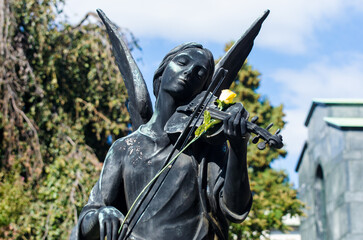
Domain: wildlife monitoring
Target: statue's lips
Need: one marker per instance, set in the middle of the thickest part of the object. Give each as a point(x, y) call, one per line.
point(183, 81)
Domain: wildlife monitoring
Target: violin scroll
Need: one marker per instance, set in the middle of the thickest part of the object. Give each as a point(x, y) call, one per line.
point(274, 140)
point(178, 121)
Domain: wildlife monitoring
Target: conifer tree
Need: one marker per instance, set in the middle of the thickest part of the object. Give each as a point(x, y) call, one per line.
point(273, 195)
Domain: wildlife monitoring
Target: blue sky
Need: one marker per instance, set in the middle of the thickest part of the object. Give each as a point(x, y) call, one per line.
point(306, 48)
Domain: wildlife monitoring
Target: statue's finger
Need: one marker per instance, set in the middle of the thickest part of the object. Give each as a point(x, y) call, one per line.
point(102, 230)
point(115, 227)
point(230, 124)
point(123, 232)
point(236, 123)
point(246, 114)
point(243, 126)
point(109, 229)
point(225, 125)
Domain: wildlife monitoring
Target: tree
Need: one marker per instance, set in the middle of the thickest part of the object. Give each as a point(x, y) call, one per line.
point(61, 100)
point(273, 196)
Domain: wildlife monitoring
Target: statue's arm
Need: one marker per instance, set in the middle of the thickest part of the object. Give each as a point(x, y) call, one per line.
point(100, 217)
point(237, 197)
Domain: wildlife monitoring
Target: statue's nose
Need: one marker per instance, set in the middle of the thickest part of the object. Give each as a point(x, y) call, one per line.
point(187, 72)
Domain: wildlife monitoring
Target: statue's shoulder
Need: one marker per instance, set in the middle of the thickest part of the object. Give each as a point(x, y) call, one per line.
point(127, 142)
point(128, 149)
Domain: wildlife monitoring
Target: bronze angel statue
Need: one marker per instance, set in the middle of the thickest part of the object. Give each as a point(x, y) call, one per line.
point(158, 184)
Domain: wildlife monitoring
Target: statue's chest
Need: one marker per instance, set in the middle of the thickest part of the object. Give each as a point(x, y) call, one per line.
point(180, 180)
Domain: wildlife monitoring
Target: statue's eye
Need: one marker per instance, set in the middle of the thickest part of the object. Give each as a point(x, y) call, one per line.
point(201, 73)
point(182, 61)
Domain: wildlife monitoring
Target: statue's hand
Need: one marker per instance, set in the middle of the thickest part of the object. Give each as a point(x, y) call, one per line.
point(235, 127)
point(109, 219)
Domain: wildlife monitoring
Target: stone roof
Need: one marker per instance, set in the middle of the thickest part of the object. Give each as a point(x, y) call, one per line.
point(344, 122)
point(331, 101)
point(301, 156)
point(337, 122)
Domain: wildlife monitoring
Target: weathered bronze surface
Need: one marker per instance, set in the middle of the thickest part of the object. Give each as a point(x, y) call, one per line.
point(205, 188)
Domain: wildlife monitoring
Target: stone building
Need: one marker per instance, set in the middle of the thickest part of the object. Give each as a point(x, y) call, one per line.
point(294, 234)
point(330, 171)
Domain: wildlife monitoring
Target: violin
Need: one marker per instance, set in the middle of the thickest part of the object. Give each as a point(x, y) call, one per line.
point(178, 122)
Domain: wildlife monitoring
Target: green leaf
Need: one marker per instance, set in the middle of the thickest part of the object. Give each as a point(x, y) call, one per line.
point(208, 123)
point(207, 117)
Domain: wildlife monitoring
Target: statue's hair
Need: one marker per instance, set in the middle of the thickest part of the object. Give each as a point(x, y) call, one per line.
point(170, 55)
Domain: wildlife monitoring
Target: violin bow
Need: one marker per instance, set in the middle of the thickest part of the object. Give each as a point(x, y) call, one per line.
point(216, 82)
point(224, 74)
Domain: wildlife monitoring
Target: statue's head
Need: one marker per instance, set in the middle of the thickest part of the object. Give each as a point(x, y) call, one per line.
point(186, 70)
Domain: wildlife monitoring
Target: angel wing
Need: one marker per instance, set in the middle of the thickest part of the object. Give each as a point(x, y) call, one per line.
point(233, 60)
point(139, 106)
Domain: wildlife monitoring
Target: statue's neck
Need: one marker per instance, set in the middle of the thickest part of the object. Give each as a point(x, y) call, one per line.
point(164, 108)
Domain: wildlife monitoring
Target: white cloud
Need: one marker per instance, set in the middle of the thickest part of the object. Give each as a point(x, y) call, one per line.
point(294, 133)
point(336, 76)
point(289, 27)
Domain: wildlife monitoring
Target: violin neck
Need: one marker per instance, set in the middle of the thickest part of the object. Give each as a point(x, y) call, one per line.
point(220, 115)
point(273, 140)
point(217, 114)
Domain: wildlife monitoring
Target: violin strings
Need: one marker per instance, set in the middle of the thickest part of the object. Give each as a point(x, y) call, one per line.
point(204, 107)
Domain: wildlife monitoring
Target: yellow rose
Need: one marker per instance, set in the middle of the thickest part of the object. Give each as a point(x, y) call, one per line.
point(227, 96)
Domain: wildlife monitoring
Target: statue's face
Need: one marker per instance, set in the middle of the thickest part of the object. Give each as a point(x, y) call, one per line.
point(186, 74)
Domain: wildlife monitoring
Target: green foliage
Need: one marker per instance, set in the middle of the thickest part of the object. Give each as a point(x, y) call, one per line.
point(273, 196)
point(207, 124)
point(11, 189)
point(61, 95)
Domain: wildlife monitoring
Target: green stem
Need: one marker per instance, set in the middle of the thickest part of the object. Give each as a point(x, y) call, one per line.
point(154, 178)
